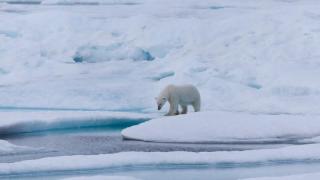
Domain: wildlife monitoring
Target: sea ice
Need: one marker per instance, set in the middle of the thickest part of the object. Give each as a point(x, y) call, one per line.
point(226, 127)
point(291, 154)
point(309, 176)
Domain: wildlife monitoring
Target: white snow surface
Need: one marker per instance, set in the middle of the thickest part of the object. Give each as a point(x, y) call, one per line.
point(6, 147)
point(126, 159)
point(101, 178)
point(309, 176)
point(242, 55)
point(216, 126)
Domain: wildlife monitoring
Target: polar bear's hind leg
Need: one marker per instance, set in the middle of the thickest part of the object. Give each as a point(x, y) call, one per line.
point(175, 109)
point(196, 106)
point(184, 109)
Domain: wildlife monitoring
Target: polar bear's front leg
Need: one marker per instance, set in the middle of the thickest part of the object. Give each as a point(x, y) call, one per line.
point(170, 113)
point(173, 109)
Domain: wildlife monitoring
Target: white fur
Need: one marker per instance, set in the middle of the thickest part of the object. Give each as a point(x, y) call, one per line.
point(183, 95)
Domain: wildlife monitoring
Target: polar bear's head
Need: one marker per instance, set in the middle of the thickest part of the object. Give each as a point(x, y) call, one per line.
point(161, 101)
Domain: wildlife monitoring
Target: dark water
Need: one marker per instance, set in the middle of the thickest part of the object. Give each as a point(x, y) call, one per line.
point(101, 140)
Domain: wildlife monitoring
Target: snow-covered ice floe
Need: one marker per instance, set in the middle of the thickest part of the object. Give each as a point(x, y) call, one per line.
point(226, 127)
point(7, 148)
point(101, 177)
point(242, 55)
point(251, 158)
point(29, 121)
point(309, 176)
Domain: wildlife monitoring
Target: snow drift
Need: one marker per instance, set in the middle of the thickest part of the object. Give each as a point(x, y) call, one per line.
point(101, 177)
point(93, 54)
point(226, 127)
point(7, 148)
point(291, 177)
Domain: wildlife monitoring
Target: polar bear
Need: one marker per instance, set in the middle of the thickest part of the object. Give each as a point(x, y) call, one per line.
point(183, 95)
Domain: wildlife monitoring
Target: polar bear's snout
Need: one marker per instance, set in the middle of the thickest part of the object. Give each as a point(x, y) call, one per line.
point(161, 102)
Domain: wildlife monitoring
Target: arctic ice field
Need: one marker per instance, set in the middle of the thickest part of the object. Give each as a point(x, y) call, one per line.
point(78, 80)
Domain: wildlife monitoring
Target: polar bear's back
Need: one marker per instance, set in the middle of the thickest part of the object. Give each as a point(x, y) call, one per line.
point(185, 93)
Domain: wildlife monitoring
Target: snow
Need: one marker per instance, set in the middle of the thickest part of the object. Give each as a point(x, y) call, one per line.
point(306, 153)
point(30, 121)
point(243, 56)
point(7, 148)
point(217, 126)
point(101, 177)
point(291, 177)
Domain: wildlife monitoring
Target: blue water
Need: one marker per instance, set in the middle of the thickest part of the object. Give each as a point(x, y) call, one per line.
point(24, 108)
point(88, 3)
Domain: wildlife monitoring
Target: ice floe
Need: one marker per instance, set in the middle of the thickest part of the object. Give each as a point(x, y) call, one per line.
point(7, 148)
point(243, 56)
point(250, 158)
point(30, 121)
point(309, 176)
point(226, 127)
